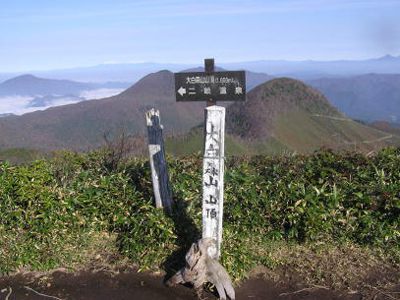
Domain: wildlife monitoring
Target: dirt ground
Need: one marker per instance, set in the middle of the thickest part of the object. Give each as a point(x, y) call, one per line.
point(138, 286)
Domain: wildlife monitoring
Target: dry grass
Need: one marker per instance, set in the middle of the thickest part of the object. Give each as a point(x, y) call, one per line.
point(340, 267)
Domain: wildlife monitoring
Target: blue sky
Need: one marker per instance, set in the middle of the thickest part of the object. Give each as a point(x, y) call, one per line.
point(50, 34)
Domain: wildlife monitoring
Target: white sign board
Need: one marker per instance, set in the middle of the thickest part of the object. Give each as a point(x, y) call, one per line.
point(213, 176)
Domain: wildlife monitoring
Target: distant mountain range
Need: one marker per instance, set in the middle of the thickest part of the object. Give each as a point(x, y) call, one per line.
point(27, 85)
point(284, 113)
point(124, 72)
point(308, 69)
point(369, 97)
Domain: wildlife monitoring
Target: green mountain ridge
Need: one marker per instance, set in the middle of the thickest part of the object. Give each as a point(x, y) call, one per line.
point(279, 115)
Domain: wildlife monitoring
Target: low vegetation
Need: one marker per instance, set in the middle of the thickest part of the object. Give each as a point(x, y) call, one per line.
point(331, 218)
point(21, 155)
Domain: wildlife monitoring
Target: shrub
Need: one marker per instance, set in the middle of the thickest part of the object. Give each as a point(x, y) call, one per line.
point(50, 208)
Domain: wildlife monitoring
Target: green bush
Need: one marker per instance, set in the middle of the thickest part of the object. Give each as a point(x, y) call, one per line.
point(50, 208)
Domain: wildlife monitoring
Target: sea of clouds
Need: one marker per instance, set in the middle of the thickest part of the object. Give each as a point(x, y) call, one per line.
point(19, 105)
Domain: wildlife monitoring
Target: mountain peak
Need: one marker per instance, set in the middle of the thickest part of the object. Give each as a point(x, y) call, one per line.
point(161, 81)
point(23, 78)
point(388, 57)
point(294, 94)
point(30, 85)
point(27, 76)
point(276, 98)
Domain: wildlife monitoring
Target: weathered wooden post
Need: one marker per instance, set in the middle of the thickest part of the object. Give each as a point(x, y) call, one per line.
point(211, 87)
point(159, 170)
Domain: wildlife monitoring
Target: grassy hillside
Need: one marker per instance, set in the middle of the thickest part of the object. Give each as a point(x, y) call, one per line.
point(299, 118)
point(392, 128)
point(19, 156)
point(192, 143)
point(73, 209)
point(305, 132)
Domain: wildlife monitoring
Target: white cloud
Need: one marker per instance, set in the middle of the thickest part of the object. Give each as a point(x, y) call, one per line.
point(13, 104)
point(20, 105)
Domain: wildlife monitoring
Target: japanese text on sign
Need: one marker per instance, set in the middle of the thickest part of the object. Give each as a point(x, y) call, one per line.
point(201, 86)
point(213, 172)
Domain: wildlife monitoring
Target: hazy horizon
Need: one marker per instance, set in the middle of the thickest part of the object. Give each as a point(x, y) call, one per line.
point(48, 35)
point(190, 64)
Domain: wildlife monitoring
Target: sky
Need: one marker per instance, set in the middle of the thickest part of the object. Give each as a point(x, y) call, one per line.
point(56, 34)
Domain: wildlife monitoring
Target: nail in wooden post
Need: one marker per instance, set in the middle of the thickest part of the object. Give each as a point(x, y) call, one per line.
point(159, 170)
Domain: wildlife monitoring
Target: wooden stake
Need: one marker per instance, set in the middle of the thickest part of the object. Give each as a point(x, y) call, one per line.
point(159, 171)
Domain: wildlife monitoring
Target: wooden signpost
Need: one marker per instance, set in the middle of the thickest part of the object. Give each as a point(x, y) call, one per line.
point(213, 176)
point(212, 86)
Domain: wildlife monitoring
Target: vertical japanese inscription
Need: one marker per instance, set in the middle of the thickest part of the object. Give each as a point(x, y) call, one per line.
point(213, 176)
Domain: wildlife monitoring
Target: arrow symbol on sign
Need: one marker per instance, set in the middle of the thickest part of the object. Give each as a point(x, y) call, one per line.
point(182, 91)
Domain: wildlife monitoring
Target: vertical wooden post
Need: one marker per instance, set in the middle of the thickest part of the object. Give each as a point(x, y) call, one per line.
point(213, 176)
point(209, 68)
point(159, 171)
point(212, 86)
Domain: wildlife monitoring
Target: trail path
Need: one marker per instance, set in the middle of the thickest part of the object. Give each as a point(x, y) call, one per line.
point(386, 137)
point(142, 286)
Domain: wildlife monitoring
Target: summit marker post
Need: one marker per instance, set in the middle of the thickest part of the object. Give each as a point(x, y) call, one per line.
point(211, 86)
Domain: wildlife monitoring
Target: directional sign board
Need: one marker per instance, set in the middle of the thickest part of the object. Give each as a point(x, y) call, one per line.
point(215, 86)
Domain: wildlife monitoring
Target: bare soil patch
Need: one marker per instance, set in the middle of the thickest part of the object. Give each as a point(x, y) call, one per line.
point(132, 285)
